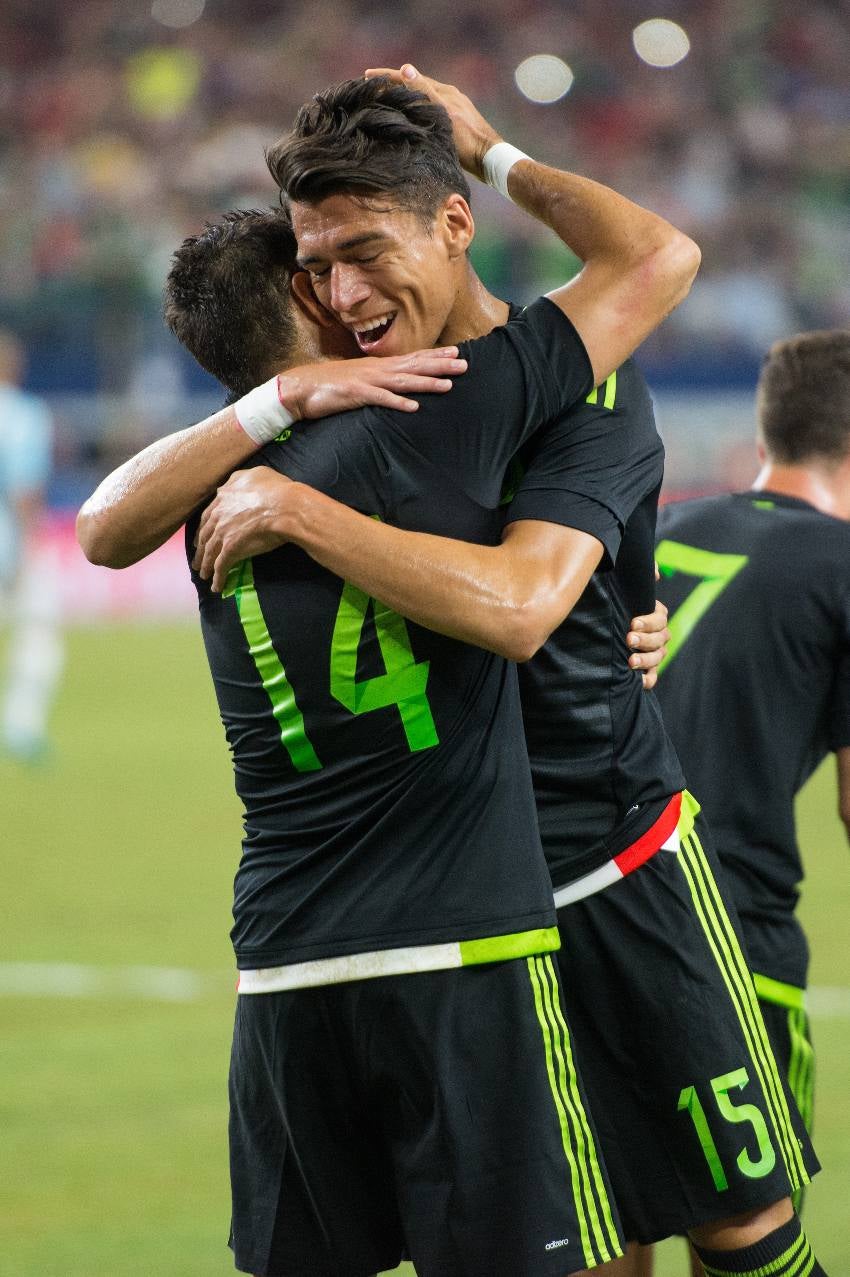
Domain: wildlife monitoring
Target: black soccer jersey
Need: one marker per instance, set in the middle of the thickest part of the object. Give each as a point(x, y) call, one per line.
point(383, 769)
point(756, 686)
point(603, 767)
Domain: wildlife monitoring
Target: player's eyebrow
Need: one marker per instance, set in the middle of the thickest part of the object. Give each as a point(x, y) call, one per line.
point(355, 242)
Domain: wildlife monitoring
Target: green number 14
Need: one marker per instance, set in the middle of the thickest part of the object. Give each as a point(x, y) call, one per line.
point(403, 684)
point(730, 1112)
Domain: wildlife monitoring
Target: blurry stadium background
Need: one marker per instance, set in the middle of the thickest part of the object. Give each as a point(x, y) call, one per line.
point(123, 125)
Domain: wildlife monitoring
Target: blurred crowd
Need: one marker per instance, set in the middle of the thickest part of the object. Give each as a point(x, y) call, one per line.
point(121, 131)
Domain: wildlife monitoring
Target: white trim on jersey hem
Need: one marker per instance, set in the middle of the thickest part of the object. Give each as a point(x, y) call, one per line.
point(605, 876)
point(352, 966)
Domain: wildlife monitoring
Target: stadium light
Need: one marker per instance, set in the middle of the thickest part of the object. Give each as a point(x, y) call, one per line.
point(543, 78)
point(177, 13)
point(660, 42)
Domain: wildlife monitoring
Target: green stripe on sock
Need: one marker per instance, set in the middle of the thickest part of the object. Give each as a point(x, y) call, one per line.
point(799, 1252)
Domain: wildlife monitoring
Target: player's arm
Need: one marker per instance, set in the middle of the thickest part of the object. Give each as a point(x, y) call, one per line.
point(637, 267)
point(141, 504)
point(842, 758)
point(506, 598)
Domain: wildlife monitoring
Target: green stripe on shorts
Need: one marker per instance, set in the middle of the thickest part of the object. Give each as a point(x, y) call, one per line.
point(597, 1230)
point(730, 960)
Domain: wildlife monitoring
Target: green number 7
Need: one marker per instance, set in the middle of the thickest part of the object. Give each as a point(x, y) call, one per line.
point(716, 571)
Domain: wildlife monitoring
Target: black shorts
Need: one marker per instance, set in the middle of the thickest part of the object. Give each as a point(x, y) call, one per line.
point(436, 1116)
point(694, 1115)
point(784, 1009)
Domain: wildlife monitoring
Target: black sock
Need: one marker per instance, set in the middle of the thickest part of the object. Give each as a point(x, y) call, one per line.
point(786, 1250)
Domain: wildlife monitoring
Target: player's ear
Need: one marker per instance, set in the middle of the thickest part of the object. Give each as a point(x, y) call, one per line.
point(456, 224)
point(302, 294)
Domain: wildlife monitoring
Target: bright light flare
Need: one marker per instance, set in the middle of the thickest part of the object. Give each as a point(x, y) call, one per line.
point(543, 78)
point(660, 42)
point(177, 13)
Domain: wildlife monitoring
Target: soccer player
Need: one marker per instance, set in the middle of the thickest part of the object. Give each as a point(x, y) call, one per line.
point(387, 797)
point(607, 784)
point(27, 588)
point(756, 684)
point(728, 1234)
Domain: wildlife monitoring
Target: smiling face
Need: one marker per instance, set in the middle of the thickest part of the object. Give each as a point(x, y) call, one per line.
point(387, 277)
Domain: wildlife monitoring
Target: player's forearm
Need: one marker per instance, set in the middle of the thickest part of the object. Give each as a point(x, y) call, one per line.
point(489, 596)
point(141, 504)
point(651, 261)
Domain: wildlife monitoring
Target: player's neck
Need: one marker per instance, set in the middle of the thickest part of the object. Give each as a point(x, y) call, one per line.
point(476, 312)
point(826, 490)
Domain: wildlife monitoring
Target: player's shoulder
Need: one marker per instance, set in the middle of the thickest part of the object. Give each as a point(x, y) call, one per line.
point(319, 452)
point(677, 512)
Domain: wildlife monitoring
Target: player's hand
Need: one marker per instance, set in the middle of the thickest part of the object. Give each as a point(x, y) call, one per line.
point(473, 135)
point(316, 390)
point(241, 520)
point(648, 639)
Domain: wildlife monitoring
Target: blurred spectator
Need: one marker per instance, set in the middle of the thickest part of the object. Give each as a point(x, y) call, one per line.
point(29, 594)
point(123, 126)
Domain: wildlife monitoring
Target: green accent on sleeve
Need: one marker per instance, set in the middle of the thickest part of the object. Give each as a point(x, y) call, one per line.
point(610, 395)
point(405, 680)
point(716, 571)
point(293, 735)
point(765, 505)
point(781, 995)
point(519, 944)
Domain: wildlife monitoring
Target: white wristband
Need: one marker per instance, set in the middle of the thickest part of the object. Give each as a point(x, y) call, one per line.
point(261, 414)
point(497, 164)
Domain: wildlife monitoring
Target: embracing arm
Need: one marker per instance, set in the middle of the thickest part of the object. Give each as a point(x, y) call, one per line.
point(637, 266)
point(506, 598)
point(141, 504)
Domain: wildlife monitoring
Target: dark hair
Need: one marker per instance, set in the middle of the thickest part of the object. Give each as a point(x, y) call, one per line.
point(227, 296)
point(804, 398)
point(370, 137)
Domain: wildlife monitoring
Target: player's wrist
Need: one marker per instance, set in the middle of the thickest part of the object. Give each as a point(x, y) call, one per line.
point(497, 162)
point(262, 413)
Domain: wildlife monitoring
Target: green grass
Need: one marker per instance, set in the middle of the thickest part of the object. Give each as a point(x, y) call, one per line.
point(120, 851)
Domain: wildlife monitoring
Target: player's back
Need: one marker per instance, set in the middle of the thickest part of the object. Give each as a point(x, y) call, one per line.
point(756, 682)
point(383, 767)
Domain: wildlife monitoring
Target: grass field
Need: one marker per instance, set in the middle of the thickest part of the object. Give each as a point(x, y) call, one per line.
point(118, 856)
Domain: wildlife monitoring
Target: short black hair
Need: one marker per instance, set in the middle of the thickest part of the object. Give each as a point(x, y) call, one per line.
point(370, 138)
point(804, 398)
point(227, 296)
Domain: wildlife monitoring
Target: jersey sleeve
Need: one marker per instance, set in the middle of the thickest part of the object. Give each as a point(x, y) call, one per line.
point(839, 716)
point(593, 467)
